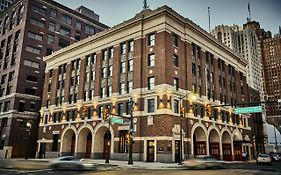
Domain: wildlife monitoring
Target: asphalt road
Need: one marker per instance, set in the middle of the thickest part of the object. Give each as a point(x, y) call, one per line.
point(142, 172)
point(42, 168)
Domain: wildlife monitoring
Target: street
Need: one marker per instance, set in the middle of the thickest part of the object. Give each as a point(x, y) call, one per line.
point(42, 168)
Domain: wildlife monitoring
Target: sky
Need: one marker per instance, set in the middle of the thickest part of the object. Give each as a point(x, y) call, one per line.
point(227, 12)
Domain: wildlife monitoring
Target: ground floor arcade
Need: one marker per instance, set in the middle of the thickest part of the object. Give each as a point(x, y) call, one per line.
point(99, 141)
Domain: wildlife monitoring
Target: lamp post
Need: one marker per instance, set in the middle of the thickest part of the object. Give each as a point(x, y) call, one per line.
point(28, 128)
point(192, 97)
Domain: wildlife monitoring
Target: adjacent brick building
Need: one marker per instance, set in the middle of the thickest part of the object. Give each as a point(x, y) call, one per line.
point(29, 30)
point(157, 57)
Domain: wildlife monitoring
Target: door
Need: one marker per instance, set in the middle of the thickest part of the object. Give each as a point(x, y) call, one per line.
point(88, 145)
point(226, 151)
point(150, 151)
point(106, 145)
point(237, 151)
point(42, 150)
point(215, 150)
point(177, 151)
point(72, 148)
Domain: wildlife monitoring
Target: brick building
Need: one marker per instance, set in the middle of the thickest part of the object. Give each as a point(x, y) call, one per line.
point(29, 30)
point(271, 50)
point(157, 57)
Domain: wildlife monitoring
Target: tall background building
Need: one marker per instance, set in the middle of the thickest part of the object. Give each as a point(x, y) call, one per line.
point(4, 4)
point(29, 30)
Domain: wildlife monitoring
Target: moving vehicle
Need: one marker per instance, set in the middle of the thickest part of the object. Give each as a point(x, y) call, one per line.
point(203, 162)
point(264, 158)
point(71, 163)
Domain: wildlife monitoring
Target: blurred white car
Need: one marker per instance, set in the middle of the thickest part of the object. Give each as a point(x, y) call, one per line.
point(70, 163)
point(264, 158)
point(203, 162)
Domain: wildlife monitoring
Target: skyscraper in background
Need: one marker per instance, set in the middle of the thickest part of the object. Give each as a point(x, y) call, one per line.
point(5, 3)
point(31, 29)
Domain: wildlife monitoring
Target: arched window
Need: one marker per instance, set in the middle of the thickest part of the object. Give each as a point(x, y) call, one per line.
point(21, 9)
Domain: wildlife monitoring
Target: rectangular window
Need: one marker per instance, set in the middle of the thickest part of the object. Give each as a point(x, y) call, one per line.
point(175, 40)
point(123, 48)
point(4, 122)
point(130, 86)
point(78, 25)
point(150, 105)
point(151, 83)
point(9, 90)
point(63, 43)
point(21, 106)
point(33, 49)
point(123, 67)
point(6, 106)
point(122, 88)
point(11, 76)
point(175, 61)
point(110, 54)
point(51, 39)
point(130, 65)
point(66, 19)
point(110, 70)
point(103, 71)
point(52, 26)
point(53, 13)
point(176, 83)
point(38, 10)
point(31, 78)
point(31, 64)
point(35, 36)
point(109, 91)
point(3, 79)
point(104, 55)
point(89, 29)
point(176, 106)
point(151, 60)
point(128, 108)
point(65, 31)
point(151, 39)
point(37, 23)
point(120, 109)
point(131, 46)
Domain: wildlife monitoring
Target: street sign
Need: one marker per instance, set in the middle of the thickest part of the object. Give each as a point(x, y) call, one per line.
point(117, 120)
point(254, 109)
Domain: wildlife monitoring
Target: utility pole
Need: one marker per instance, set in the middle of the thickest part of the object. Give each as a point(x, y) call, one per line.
point(130, 161)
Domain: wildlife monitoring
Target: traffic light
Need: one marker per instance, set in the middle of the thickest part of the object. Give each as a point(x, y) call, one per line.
point(105, 113)
point(182, 112)
point(209, 110)
point(127, 139)
point(131, 110)
point(84, 111)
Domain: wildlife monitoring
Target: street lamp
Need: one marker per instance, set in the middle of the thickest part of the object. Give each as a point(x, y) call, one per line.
point(191, 97)
point(28, 128)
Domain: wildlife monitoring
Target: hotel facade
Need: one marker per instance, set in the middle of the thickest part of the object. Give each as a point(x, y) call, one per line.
point(158, 58)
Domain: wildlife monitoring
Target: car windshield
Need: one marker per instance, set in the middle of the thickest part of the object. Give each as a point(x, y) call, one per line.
point(68, 158)
point(206, 158)
point(263, 155)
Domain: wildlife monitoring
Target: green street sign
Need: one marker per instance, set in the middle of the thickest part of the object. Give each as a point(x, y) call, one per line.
point(117, 120)
point(254, 109)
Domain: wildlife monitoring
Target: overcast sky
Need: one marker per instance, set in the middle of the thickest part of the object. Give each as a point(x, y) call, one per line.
point(228, 12)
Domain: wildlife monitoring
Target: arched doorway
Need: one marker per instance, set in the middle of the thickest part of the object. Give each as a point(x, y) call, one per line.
point(102, 140)
point(84, 143)
point(226, 146)
point(199, 141)
point(237, 144)
point(68, 143)
point(214, 144)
